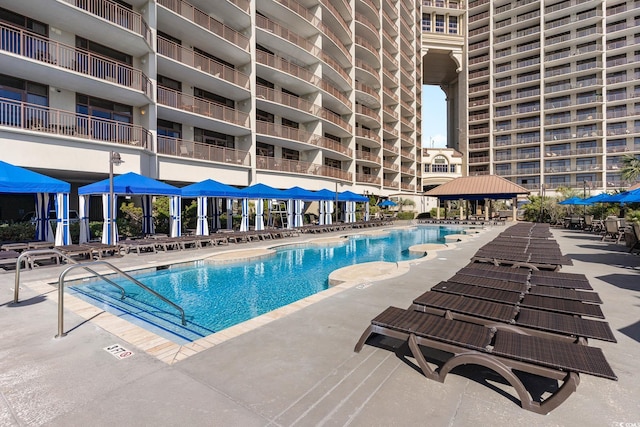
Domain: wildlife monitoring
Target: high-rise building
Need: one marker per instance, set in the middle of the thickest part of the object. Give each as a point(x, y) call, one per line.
point(314, 93)
point(548, 91)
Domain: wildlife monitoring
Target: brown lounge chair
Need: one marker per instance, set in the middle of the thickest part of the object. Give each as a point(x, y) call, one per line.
point(503, 350)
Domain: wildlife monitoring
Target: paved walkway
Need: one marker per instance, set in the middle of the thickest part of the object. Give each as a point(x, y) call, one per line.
point(301, 368)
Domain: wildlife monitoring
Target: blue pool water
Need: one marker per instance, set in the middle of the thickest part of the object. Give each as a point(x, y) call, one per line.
point(215, 297)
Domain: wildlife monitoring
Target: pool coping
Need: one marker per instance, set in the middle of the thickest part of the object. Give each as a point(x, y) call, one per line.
point(170, 352)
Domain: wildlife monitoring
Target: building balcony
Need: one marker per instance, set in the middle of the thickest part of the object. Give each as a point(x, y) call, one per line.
point(203, 69)
point(367, 134)
point(202, 19)
point(202, 151)
point(365, 178)
point(407, 186)
point(57, 63)
point(66, 124)
point(407, 154)
point(391, 166)
point(390, 147)
point(280, 70)
point(129, 30)
point(368, 157)
point(281, 165)
point(229, 119)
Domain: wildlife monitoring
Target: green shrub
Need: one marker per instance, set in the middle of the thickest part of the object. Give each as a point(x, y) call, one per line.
point(17, 232)
point(406, 215)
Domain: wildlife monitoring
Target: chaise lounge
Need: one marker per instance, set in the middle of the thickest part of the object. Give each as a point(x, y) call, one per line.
point(504, 349)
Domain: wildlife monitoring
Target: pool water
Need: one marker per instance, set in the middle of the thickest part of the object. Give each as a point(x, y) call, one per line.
point(215, 297)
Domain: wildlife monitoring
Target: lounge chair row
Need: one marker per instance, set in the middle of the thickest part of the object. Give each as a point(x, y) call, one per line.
point(462, 221)
point(508, 320)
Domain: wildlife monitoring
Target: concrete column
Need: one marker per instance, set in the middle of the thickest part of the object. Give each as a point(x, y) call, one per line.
point(461, 204)
point(438, 209)
point(515, 208)
point(486, 209)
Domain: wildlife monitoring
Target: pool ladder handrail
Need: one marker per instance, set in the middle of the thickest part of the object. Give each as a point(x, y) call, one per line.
point(90, 270)
point(61, 332)
point(25, 254)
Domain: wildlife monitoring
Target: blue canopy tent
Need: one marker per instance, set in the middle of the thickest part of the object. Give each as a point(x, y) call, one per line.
point(350, 198)
point(129, 184)
point(202, 191)
point(599, 198)
point(17, 180)
point(259, 192)
point(327, 198)
point(298, 196)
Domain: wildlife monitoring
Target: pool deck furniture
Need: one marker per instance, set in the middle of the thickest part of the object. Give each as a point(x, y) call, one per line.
point(505, 349)
point(100, 250)
point(8, 258)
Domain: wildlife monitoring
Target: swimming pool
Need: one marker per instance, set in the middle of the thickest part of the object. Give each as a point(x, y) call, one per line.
point(217, 296)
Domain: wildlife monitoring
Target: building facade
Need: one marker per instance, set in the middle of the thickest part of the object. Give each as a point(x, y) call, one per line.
point(549, 89)
point(318, 93)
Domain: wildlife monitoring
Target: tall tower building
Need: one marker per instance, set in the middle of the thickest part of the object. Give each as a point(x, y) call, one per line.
point(314, 93)
point(550, 92)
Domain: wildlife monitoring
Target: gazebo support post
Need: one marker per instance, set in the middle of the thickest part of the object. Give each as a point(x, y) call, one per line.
point(438, 209)
point(487, 205)
point(461, 205)
point(514, 207)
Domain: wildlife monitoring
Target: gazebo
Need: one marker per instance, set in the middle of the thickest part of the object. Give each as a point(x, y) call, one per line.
point(129, 184)
point(17, 180)
point(482, 187)
point(210, 188)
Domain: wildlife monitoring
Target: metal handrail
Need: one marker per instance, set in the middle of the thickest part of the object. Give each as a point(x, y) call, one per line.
point(25, 254)
point(61, 332)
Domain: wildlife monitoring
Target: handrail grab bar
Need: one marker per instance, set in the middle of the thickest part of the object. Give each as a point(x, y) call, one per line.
point(25, 254)
point(61, 332)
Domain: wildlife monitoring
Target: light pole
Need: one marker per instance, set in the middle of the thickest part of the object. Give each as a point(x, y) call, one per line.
point(584, 196)
point(336, 208)
point(114, 159)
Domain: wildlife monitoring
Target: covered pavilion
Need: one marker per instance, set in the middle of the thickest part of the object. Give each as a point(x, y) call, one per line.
point(474, 188)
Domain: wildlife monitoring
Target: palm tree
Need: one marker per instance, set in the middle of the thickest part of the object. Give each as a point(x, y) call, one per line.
point(630, 170)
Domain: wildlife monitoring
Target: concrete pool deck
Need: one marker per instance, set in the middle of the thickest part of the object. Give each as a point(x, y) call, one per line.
point(299, 369)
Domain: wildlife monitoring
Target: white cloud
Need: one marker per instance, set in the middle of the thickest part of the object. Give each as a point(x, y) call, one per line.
point(437, 141)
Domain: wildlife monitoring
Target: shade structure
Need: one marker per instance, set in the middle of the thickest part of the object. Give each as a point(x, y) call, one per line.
point(477, 188)
point(632, 196)
point(263, 191)
point(349, 196)
point(132, 183)
point(298, 193)
point(17, 180)
point(387, 203)
point(575, 201)
point(599, 198)
point(325, 194)
point(211, 188)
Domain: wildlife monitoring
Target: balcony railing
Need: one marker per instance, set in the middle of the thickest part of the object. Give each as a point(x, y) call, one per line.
point(331, 89)
point(368, 90)
point(366, 111)
point(367, 178)
point(285, 132)
point(52, 121)
point(298, 166)
point(29, 45)
point(365, 155)
point(266, 93)
point(334, 118)
point(283, 32)
point(204, 20)
point(366, 133)
point(390, 183)
point(116, 14)
point(201, 106)
point(202, 151)
point(193, 59)
point(390, 147)
point(285, 66)
point(407, 186)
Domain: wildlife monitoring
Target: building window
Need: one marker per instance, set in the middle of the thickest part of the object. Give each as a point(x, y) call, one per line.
point(426, 22)
point(264, 116)
point(170, 129)
point(290, 154)
point(265, 150)
point(453, 25)
point(213, 138)
point(439, 23)
point(333, 163)
point(440, 164)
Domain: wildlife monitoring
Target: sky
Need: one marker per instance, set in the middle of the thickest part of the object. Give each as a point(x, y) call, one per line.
point(434, 117)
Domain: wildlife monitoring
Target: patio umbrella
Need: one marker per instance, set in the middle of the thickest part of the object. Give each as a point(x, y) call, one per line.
point(632, 196)
point(574, 201)
point(599, 198)
point(387, 203)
